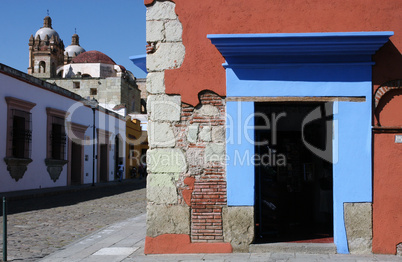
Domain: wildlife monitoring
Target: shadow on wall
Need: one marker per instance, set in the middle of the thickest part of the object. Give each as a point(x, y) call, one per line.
point(387, 113)
point(388, 65)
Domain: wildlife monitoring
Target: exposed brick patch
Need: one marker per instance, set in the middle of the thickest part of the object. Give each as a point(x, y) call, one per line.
point(383, 89)
point(208, 192)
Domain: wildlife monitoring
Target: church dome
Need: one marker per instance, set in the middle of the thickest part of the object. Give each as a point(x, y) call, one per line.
point(47, 29)
point(93, 57)
point(74, 49)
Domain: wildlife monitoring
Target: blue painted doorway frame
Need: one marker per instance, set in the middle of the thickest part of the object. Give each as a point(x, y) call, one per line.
point(336, 65)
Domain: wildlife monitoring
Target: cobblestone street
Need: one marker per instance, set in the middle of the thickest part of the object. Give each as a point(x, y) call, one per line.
point(38, 226)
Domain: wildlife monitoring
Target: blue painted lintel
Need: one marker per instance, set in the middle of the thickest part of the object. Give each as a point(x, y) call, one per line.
point(140, 61)
point(299, 47)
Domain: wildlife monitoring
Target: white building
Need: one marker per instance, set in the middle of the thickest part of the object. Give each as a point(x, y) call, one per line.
point(47, 136)
point(86, 73)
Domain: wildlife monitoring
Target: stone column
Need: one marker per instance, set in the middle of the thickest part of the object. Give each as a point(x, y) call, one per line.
point(165, 163)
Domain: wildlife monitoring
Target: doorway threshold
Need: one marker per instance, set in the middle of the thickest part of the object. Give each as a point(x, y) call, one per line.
point(304, 248)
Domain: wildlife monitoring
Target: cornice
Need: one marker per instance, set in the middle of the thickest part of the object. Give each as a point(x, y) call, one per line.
point(338, 47)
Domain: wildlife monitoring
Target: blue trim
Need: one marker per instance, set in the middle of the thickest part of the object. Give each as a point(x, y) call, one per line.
point(240, 152)
point(140, 61)
point(352, 171)
point(298, 81)
point(300, 47)
point(311, 64)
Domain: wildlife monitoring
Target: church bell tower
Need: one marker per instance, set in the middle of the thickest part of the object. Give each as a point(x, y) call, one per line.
point(46, 51)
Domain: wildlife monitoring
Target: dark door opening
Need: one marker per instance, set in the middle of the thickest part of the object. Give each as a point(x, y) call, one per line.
point(293, 186)
point(116, 155)
point(103, 172)
point(76, 162)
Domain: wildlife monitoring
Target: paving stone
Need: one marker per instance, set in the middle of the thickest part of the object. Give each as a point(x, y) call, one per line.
point(38, 226)
point(115, 251)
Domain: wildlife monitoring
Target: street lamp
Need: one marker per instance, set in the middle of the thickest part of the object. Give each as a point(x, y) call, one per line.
point(93, 103)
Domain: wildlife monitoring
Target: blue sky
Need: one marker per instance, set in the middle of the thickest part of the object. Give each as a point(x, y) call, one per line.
point(116, 28)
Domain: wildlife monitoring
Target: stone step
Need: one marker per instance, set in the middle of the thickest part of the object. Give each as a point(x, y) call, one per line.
point(304, 248)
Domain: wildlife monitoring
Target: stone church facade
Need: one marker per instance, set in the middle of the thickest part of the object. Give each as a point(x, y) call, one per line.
point(87, 73)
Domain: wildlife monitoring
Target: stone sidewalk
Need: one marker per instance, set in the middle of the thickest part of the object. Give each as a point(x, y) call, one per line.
point(124, 241)
point(40, 222)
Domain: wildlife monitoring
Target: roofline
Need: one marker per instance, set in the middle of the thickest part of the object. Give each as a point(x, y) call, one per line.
point(24, 77)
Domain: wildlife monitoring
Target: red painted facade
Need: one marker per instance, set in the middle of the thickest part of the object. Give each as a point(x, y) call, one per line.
point(202, 67)
point(202, 70)
point(387, 194)
point(181, 244)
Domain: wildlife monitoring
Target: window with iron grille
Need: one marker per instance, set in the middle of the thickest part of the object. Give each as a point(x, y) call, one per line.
point(56, 134)
point(57, 138)
point(21, 134)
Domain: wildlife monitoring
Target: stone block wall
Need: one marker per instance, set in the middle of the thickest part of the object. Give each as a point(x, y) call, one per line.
point(186, 190)
point(186, 168)
point(130, 95)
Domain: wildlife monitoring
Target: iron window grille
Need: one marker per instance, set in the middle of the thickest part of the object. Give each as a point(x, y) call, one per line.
point(21, 134)
point(58, 138)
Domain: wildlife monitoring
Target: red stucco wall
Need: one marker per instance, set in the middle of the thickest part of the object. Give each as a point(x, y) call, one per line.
point(202, 68)
point(387, 200)
point(387, 179)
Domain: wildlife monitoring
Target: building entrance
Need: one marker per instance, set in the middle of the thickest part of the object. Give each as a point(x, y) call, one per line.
point(293, 186)
point(103, 158)
point(76, 163)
